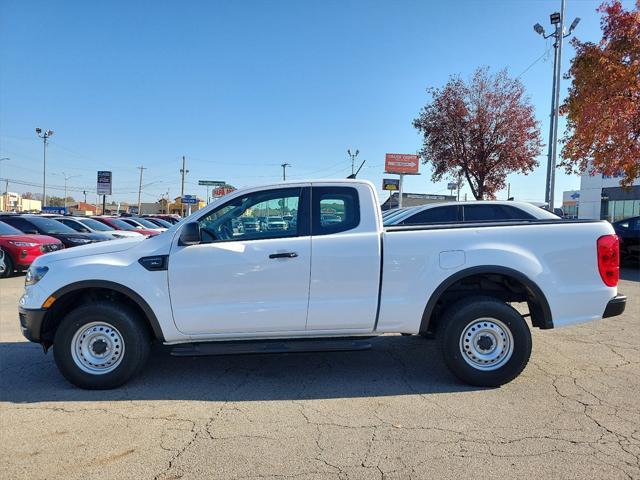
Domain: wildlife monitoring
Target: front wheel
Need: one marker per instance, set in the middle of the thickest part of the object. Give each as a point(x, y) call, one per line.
point(484, 341)
point(6, 265)
point(101, 345)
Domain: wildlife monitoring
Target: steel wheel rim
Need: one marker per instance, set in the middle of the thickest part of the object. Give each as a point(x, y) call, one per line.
point(486, 344)
point(97, 348)
point(3, 263)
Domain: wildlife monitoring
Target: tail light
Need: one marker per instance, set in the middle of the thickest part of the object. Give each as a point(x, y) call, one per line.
point(609, 259)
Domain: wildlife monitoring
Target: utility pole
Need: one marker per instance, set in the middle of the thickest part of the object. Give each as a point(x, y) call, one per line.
point(84, 192)
point(6, 185)
point(141, 168)
point(353, 160)
point(557, 20)
point(45, 137)
point(284, 171)
point(183, 172)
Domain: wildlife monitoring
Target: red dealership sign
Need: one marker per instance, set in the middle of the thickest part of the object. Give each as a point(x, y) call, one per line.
point(401, 163)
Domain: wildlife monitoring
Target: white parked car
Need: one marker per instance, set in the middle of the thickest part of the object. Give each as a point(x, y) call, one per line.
point(143, 223)
point(86, 224)
point(202, 288)
point(467, 212)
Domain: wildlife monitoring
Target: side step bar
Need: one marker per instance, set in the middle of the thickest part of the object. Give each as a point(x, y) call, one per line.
point(271, 346)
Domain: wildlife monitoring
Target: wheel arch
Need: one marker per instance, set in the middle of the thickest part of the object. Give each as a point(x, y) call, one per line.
point(535, 298)
point(66, 296)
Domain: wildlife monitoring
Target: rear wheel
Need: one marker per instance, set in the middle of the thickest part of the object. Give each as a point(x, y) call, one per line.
point(6, 264)
point(484, 341)
point(101, 345)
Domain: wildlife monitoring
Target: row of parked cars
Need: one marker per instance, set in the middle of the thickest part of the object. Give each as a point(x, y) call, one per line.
point(25, 237)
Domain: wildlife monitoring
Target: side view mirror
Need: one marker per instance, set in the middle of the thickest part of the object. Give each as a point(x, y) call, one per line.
point(190, 234)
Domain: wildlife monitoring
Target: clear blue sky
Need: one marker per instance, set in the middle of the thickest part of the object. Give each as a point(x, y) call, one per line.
point(240, 87)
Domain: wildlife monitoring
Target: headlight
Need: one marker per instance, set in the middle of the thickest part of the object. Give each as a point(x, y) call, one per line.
point(80, 241)
point(34, 275)
point(22, 244)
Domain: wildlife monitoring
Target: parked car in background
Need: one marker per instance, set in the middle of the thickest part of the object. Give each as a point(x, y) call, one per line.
point(330, 219)
point(121, 225)
point(89, 225)
point(274, 224)
point(142, 223)
point(469, 212)
point(628, 231)
point(172, 219)
point(37, 224)
point(250, 224)
point(18, 250)
point(159, 222)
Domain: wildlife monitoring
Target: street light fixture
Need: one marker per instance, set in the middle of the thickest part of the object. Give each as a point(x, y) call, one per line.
point(557, 19)
point(44, 136)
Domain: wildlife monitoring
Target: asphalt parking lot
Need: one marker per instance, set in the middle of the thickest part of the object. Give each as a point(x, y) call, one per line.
point(390, 412)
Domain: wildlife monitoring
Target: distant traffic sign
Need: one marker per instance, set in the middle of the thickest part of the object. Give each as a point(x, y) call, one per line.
point(189, 199)
point(401, 163)
point(211, 183)
point(451, 186)
point(391, 184)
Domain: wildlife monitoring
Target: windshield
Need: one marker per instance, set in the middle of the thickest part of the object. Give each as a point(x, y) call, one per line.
point(275, 219)
point(121, 224)
point(95, 225)
point(9, 230)
point(49, 226)
point(161, 222)
point(144, 222)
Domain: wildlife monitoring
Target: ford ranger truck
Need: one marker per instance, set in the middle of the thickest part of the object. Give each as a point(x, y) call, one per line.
point(331, 280)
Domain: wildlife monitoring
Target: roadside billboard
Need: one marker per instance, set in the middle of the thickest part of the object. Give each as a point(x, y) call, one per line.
point(401, 163)
point(391, 184)
point(104, 182)
point(222, 191)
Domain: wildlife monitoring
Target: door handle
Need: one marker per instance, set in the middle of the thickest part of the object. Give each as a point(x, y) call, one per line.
point(284, 255)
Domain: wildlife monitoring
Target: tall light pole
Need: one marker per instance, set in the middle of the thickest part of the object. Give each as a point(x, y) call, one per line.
point(142, 169)
point(67, 178)
point(44, 136)
point(6, 183)
point(183, 172)
point(353, 160)
point(284, 171)
point(557, 20)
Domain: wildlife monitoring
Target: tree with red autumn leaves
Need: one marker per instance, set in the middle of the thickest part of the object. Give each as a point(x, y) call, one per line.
point(481, 130)
point(603, 105)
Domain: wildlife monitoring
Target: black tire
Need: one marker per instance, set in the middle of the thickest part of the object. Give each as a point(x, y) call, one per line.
point(455, 323)
point(8, 265)
point(130, 328)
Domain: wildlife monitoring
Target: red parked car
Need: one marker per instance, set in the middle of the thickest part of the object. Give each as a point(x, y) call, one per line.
point(122, 225)
point(18, 250)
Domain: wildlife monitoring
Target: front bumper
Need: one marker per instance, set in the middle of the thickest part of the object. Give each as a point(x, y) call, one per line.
point(31, 323)
point(615, 306)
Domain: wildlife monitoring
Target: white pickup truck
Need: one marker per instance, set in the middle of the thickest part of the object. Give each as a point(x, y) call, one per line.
point(206, 286)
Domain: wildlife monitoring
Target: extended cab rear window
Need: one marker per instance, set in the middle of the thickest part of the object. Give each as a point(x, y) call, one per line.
point(334, 210)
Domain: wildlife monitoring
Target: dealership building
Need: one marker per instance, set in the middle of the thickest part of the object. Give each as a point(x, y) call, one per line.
point(601, 197)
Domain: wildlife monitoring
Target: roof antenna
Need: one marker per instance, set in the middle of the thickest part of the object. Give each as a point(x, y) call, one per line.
point(354, 175)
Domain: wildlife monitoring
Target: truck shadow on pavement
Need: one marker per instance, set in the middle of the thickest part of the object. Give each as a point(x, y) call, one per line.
point(394, 366)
